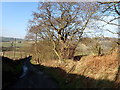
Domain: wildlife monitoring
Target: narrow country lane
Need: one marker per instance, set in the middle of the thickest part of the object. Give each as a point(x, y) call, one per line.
point(33, 78)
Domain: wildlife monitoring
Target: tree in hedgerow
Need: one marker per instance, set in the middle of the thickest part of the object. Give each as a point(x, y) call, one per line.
point(63, 23)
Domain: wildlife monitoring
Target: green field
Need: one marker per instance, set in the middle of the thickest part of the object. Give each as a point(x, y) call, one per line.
point(9, 44)
point(15, 53)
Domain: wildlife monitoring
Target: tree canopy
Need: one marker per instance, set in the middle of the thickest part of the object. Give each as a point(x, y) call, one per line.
point(64, 24)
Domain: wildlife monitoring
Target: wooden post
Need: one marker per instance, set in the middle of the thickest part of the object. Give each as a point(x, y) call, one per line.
point(3, 53)
point(14, 48)
point(20, 53)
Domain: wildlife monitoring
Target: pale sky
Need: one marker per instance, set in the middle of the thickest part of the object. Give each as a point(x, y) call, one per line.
point(15, 16)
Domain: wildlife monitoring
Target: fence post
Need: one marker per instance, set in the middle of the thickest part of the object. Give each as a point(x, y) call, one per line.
point(14, 48)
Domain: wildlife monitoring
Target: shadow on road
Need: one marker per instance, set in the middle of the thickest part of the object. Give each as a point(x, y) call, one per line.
point(67, 80)
point(46, 77)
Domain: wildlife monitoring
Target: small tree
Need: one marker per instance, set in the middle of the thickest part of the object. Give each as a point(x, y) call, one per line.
point(98, 49)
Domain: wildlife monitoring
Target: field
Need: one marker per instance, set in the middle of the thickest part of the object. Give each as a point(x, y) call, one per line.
point(14, 55)
point(14, 51)
point(8, 44)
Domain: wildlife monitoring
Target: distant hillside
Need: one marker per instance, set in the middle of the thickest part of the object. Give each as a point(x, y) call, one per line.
point(8, 39)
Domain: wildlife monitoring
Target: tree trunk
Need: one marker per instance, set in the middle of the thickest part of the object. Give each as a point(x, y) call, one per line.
point(63, 53)
point(67, 52)
point(54, 48)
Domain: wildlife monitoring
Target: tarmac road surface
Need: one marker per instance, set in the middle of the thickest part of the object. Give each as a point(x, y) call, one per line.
point(33, 78)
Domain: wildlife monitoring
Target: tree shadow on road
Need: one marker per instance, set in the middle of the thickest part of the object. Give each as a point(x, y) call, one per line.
point(68, 80)
point(11, 70)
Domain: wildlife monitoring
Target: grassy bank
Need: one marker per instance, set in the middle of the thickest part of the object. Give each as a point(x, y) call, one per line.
point(89, 72)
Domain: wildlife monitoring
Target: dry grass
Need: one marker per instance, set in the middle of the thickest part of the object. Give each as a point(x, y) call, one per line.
point(104, 67)
point(10, 54)
point(97, 67)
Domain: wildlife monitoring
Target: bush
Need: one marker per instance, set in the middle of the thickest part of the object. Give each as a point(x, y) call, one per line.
point(43, 50)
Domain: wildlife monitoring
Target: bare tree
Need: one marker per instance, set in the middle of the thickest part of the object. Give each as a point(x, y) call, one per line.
point(112, 8)
point(33, 34)
point(63, 24)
